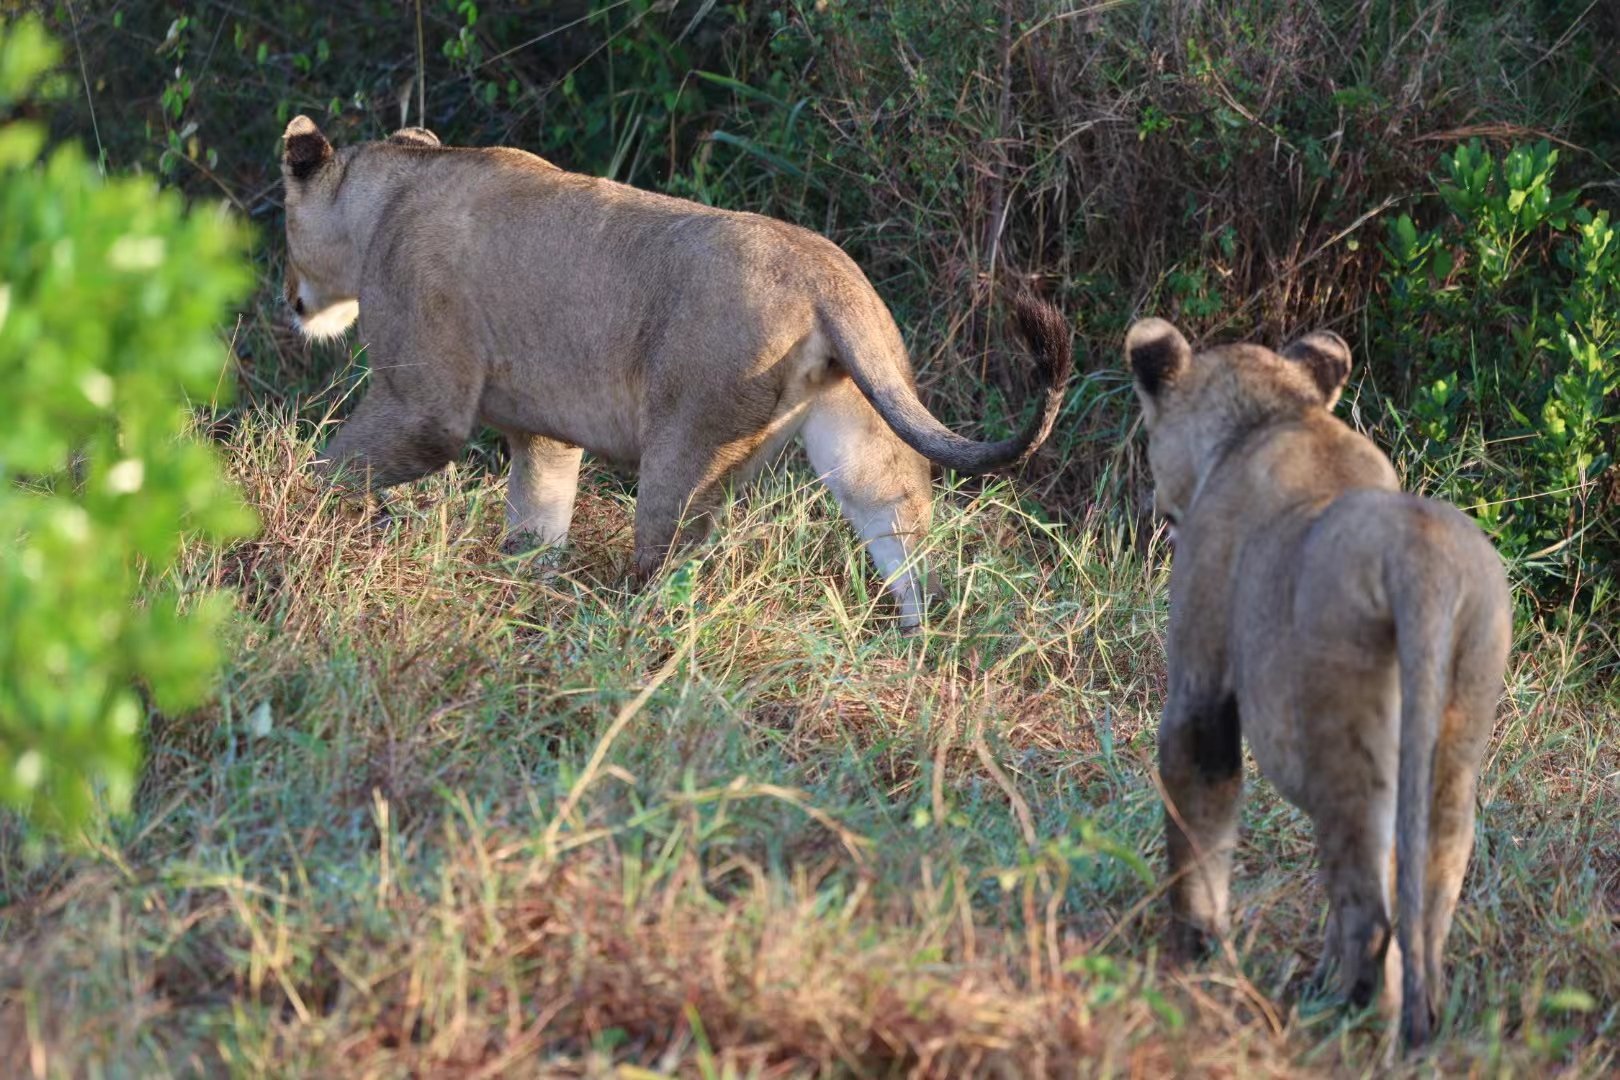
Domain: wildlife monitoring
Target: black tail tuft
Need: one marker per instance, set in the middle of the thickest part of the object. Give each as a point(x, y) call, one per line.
point(882, 382)
point(1047, 331)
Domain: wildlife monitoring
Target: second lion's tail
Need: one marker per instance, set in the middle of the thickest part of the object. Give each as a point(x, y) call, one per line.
point(1425, 617)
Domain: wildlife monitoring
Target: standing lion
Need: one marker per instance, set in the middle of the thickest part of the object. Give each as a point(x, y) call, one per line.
point(572, 313)
point(1355, 634)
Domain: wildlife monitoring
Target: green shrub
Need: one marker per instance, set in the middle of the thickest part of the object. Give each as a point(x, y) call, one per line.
point(1502, 320)
point(110, 296)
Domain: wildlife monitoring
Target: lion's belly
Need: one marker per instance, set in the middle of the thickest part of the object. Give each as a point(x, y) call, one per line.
point(599, 413)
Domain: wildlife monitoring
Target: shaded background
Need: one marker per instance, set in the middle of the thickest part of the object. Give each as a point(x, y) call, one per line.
point(1237, 167)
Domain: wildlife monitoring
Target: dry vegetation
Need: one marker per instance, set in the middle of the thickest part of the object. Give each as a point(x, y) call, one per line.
point(453, 816)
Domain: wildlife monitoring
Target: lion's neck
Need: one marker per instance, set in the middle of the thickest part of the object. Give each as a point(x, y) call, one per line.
point(360, 219)
point(1302, 465)
point(368, 187)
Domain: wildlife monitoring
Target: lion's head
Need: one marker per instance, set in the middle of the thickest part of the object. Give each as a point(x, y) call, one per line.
point(1198, 405)
point(323, 257)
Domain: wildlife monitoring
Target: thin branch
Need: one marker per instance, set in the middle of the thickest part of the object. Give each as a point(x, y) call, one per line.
point(84, 73)
point(421, 71)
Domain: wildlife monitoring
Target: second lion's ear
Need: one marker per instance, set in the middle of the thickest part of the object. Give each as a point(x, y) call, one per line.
point(304, 150)
point(1326, 356)
point(415, 136)
point(1158, 354)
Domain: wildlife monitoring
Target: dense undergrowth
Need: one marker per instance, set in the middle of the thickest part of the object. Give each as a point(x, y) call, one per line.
point(447, 815)
point(1431, 179)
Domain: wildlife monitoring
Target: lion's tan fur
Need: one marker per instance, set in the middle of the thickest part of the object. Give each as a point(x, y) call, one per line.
point(573, 313)
point(1356, 636)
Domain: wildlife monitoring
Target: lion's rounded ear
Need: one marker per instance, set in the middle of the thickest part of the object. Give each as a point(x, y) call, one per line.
point(1326, 356)
point(304, 150)
point(415, 136)
point(1158, 354)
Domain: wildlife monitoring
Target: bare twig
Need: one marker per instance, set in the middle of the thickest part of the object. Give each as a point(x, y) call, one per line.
point(421, 70)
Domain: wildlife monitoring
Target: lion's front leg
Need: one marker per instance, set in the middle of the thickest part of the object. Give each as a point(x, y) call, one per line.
point(1201, 764)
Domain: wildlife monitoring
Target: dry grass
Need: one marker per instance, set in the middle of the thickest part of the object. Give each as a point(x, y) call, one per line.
point(448, 818)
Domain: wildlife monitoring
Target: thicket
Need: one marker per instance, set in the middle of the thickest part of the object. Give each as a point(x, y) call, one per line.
point(1432, 178)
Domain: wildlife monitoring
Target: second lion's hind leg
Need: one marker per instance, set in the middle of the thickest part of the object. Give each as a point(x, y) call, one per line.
point(1353, 842)
point(1327, 963)
point(882, 486)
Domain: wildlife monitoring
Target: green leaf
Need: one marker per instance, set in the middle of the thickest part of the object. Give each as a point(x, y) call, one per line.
point(1405, 236)
point(740, 88)
point(1569, 999)
point(1170, 1016)
point(20, 143)
point(26, 53)
point(776, 161)
point(1441, 264)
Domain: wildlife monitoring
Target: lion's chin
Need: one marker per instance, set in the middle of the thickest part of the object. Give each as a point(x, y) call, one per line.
point(329, 322)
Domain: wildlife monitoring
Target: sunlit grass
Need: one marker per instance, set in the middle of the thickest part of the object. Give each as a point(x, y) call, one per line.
point(451, 812)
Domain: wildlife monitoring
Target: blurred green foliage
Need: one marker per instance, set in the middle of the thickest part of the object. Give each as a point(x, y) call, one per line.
point(111, 297)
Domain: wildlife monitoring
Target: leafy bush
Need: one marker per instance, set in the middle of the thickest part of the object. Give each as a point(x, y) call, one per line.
point(110, 295)
point(1502, 318)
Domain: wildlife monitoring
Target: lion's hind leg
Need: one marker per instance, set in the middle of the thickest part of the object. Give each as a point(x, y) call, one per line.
point(540, 491)
point(1355, 850)
point(882, 487)
point(1327, 963)
point(1346, 782)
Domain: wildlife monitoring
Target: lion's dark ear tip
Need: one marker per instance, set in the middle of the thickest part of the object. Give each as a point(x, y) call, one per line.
point(300, 125)
point(304, 148)
point(1333, 346)
point(415, 136)
point(1336, 339)
point(1157, 352)
point(1327, 357)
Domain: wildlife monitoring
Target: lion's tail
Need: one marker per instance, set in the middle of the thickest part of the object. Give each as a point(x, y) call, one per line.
point(891, 393)
point(1425, 618)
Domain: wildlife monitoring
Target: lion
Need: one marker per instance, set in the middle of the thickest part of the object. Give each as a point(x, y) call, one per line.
point(572, 313)
point(1356, 635)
